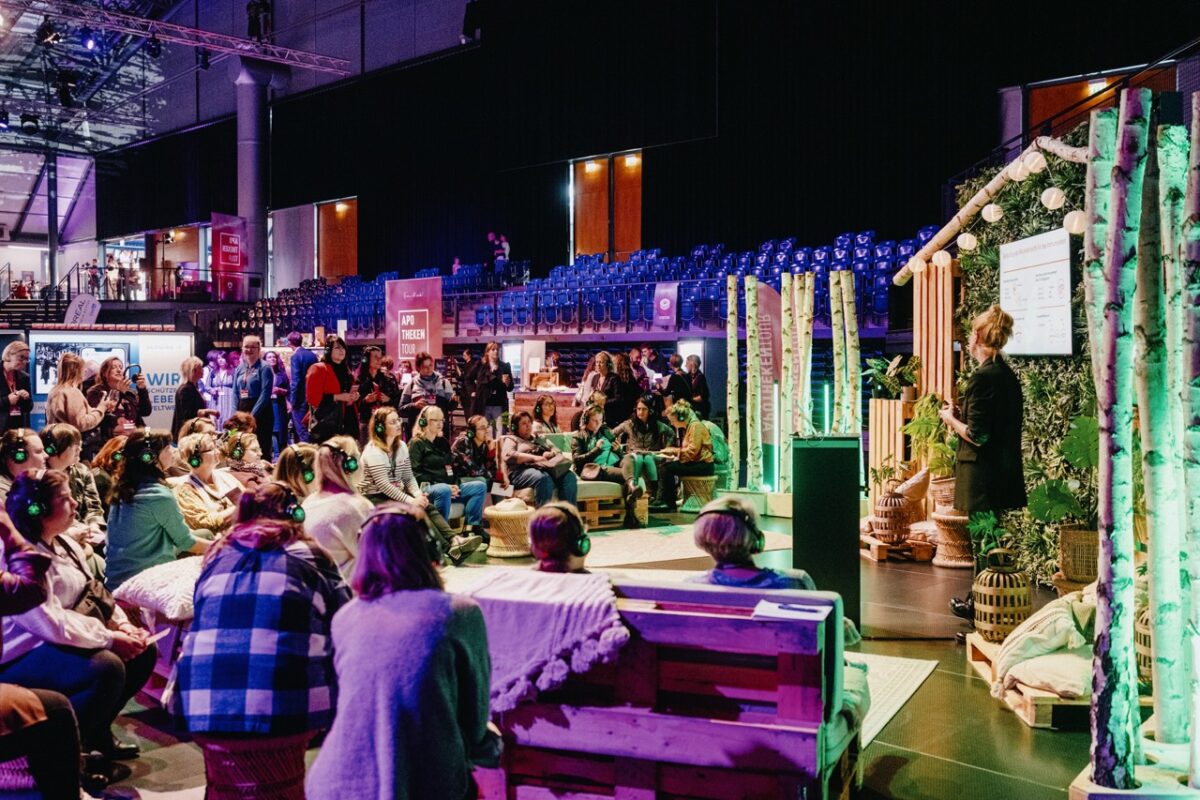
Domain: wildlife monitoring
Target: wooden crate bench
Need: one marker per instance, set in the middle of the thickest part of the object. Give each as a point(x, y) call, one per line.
point(601, 507)
point(703, 702)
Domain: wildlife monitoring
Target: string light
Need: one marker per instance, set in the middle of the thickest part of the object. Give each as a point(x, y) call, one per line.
point(942, 259)
point(1054, 198)
point(967, 242)
point(992, 212)
point(1017, 171)
point(1075, 222)
point(1035, 162)
point(916, 265)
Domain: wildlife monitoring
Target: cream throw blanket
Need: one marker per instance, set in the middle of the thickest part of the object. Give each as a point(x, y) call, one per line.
point(543, 626)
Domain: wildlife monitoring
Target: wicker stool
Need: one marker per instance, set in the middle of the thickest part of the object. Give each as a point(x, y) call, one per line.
point(697, 492)
point(510, 532)
point(250, 768)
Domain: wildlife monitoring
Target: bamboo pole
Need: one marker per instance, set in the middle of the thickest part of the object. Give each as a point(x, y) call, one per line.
point(838, 330)
point(972, 207)
point(804, 421)
point(1114, 678)
point(733, 414)
point(754, 451)
point(1190, 363)
point(787, 384)
point(1162, 495)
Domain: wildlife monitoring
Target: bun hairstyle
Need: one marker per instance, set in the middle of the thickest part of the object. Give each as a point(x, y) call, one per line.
point(681, 411)
point(993, 327)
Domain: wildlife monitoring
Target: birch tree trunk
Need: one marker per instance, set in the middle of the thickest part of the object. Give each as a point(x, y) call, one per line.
point(838, 329)
point(853, 368)
point(733, 414)
point(1167, 611)
point(787, 384)
point(1191, 410)
point(1114, 678)
point(754, 452)
point(804, 423)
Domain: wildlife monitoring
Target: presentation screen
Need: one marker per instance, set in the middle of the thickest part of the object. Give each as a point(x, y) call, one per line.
point(159, 355)
point(1035, 287)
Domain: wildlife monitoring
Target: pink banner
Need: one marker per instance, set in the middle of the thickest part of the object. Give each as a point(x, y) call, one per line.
point(666, 296)
point(414, 317)
point(229, 257)
point(770, 349)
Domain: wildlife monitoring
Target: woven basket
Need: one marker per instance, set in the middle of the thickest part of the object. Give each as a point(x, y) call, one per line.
point(890, 524)
point(237, 768)
point(510, 532)
point(942, 492)
point(1143, 645)
point(1078, 553)
point(1003, 599)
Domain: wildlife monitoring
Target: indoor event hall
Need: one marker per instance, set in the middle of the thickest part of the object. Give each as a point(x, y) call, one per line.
point(628, 400)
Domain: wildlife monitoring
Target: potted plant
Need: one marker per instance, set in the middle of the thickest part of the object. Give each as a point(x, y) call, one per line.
point(1056, 500)
point(894, 379)
point(934, 445)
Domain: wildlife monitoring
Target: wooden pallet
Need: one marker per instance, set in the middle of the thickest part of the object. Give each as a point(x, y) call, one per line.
point(875, 550)
point(1035, 707)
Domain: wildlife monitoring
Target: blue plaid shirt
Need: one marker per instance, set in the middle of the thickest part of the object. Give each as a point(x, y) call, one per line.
point(258, 657)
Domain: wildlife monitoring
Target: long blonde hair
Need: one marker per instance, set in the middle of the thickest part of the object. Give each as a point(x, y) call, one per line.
point(70, 370)
point(329, 464)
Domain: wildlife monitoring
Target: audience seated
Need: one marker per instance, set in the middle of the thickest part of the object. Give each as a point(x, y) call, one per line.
point(243, 459)
point(78, 642)
point(20, 451)
point(643, 436)
point(207, 496)
point(145, 525)
point(545, 416)
point(728, 530)
point(255, 679)
point(532, 462)
point(597, 399)
point(295, 468)
point(62, 444)
point(389, 476)
point(413, 673)
point(558, 539)
point(130, 403)
point(104, 466)
point(433, 467)
point(695, 457)
point(597, 456)
point(475, 453)
point(334, 510)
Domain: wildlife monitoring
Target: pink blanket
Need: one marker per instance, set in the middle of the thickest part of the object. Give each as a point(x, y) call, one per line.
point(543, 626)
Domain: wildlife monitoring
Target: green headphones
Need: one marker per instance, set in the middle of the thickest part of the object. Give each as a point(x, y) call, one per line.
point(349, 462)
point(306, 471)
point(20, 453)
point(196, 458)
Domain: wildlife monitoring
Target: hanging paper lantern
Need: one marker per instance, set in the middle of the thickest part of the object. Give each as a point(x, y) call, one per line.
point(1017, 171)
point(916, 265)
point(1034, 162)
point(967, 242)
point(992, 212)
point(1053, 198)
point(1075, 222)
point(942, 259)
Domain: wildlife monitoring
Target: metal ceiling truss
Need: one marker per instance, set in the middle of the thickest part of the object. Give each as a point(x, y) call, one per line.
point(129, 24)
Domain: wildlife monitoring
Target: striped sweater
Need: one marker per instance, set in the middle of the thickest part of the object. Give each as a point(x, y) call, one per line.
point(389, 475)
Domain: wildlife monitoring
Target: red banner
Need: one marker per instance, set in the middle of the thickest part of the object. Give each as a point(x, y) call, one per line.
point(229, 257)
point(414, 318)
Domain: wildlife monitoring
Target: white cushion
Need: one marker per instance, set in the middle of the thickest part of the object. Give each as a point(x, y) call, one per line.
point(1067, 673)
point(166, 589)
point(590, 490)
point(1049, 630)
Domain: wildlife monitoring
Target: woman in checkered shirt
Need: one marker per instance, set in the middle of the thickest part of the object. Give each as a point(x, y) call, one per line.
point(256, 677)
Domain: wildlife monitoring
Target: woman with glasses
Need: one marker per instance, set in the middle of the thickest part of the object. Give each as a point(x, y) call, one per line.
point(433, 467)
point(207, 496)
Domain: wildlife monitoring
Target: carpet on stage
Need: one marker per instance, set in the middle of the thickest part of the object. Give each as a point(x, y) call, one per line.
point(892, 682)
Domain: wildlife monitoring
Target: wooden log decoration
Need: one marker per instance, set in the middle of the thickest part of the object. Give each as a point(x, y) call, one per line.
point(853, 355)
point(838, 331)
point(1114, 709)
point(1190, 363)
point(804, 423)
point(972, 207)
point(754, 451)
point(733, 413)
point(1163, 520)
point(787, 383)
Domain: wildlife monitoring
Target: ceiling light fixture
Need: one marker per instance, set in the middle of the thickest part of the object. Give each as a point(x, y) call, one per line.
point(30, 123)
point(203, 58)
point(88, 38)
point(154, 47)
point(47, 34)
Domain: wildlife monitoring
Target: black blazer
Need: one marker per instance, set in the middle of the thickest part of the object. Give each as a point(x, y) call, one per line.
point(188, 403)
point(487, 382)
point(990, 475)
point(8, 419)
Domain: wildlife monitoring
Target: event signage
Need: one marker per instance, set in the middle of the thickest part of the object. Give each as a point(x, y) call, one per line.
point(1035, 288)
point(229, 257)
point(414, 317)
point(158, 354)
point(666, 297)
point(84, 310)
point(770, 350)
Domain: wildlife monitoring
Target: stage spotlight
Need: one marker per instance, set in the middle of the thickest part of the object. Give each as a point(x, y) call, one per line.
point(4, 121)
point(30, 123)
point(88, 38)
point(63, 88)
point(154, 47)
point(203, 58)
point(47, 34)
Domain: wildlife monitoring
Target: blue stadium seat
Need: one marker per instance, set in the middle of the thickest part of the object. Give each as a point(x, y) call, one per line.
point(864, 238)
point(927, 233)
point(566, 307)
point(844, 241)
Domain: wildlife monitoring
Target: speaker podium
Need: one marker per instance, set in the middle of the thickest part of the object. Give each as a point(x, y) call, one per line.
point(825, 507)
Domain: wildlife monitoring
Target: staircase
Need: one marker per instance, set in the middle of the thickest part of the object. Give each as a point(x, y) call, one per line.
point(24, 313)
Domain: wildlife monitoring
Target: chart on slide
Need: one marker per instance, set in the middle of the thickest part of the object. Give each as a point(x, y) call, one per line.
point(1035, 288)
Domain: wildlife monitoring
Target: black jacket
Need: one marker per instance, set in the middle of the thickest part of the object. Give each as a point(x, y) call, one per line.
point(24, 405)
point(188, 403)
point(489, 383)
point(990, 474)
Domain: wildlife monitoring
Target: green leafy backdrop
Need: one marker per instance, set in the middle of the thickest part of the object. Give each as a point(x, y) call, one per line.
point(1056, 389)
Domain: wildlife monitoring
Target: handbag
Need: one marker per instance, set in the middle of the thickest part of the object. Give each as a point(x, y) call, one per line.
point(95, 601)
point(590, 472)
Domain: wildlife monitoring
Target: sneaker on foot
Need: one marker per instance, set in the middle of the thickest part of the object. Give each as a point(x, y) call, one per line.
point(463, 546)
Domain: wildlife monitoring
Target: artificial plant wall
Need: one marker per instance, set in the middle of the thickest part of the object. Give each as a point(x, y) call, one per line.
point(1057, 389)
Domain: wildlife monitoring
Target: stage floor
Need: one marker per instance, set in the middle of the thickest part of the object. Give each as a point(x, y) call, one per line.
point(950, 740)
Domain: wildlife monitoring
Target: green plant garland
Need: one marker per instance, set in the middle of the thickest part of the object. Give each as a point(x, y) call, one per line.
point(1056, 389)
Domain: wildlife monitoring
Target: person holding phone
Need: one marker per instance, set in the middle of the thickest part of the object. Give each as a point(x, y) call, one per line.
point(130, 402)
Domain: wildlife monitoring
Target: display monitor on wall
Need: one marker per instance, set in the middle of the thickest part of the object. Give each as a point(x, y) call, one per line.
point(1035, 288)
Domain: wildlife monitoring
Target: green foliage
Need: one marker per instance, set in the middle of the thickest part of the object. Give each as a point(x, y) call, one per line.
point(986, 534)
point(892, 376)
point(888, 470)
point(931, 440)
point(1053, 501)
point(1057, 390)
point(1081, 446)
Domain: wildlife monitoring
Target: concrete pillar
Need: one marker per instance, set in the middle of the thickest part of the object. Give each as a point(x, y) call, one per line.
point(252, 79)
point(52, 214)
